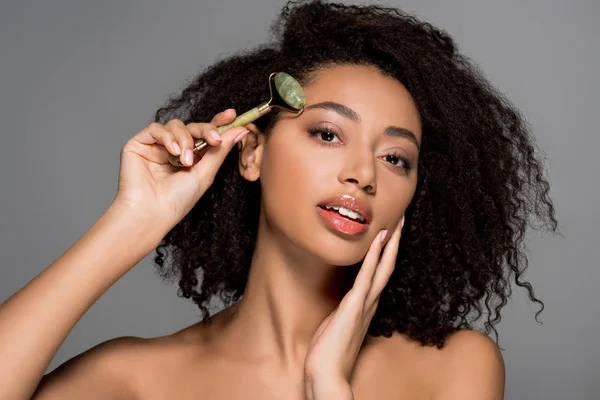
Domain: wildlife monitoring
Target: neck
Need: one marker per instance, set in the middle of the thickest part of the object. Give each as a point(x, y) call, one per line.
point(288, 295)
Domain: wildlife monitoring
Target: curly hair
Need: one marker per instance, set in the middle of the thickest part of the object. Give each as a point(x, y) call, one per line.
point(481, 182)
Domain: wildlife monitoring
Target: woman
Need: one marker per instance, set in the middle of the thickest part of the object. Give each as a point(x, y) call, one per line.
point(402, 144)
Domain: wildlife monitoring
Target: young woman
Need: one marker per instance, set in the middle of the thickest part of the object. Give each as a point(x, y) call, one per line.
point(353, 244)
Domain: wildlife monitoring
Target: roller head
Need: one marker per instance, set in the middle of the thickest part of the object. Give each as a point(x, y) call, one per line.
point(290, 91)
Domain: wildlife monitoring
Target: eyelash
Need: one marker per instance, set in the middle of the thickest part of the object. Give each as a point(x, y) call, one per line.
point(314, 131)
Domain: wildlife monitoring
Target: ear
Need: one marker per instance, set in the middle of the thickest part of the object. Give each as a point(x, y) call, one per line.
point(250, 153)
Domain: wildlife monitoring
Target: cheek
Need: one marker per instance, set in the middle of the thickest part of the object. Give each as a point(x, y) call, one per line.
point(394, 200)
point(290, 177)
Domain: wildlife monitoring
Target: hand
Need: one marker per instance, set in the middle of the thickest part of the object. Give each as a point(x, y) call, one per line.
point(149, 185)
point(335, 346)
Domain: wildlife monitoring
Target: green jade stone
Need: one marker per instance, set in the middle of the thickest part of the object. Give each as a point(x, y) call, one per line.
point(290, 90)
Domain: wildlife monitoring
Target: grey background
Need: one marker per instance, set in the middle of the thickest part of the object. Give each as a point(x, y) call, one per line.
point(80, 77)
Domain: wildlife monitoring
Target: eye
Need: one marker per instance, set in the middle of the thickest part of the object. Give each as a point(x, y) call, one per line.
point(397, 160)
point(324, 134)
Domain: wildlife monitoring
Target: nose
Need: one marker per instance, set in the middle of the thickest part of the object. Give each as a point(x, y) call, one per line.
point(359, 169)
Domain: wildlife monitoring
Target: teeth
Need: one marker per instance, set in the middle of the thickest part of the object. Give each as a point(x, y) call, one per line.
point(346, 212)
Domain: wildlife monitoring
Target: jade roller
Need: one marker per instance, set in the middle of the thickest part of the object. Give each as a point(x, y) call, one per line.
point(288, 95)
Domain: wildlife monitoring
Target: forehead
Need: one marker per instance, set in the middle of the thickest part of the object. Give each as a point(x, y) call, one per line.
point(377, 98)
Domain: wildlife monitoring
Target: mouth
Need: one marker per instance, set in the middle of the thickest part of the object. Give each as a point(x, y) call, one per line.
point(340, 223)
point(345, 214)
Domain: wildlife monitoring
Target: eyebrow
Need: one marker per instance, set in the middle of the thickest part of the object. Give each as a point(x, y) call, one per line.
point(347, 112)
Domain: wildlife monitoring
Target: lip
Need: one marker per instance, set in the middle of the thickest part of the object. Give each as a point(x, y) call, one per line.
point(341, 224)
point(351, 203)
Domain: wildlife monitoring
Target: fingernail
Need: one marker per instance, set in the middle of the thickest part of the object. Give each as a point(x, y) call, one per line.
point(402, 222)
point(189, 157)
point(241, 136)
point(229, 109)
point(176, 148)
point(383, 235)
point(215, 135)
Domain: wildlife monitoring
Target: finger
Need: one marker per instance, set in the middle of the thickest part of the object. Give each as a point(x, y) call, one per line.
point(157, 134)
point(386, 264)
point(184, 139)
point(207, 167)
point(205, 131)
point(364, 278)
point(224, 117)
point(188, 134)
point(209, 132)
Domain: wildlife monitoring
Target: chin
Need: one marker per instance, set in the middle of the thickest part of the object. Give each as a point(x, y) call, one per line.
point(335, 250)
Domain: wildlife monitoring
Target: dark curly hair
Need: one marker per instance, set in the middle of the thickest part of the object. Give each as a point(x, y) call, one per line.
point(480, 184)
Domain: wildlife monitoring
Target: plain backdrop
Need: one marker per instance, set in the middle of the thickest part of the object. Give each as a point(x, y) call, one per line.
point(81, 77)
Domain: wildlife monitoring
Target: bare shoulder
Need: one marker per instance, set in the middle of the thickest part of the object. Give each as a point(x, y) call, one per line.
point(470, 366)
point(103, 370)
point(115, 369)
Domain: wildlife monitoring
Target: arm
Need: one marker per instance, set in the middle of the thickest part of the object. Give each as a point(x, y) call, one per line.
point(152, 197)
point(35, 321)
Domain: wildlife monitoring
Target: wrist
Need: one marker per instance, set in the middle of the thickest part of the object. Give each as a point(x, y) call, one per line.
point(330, 389)
point(155, 217)
point(133, 224)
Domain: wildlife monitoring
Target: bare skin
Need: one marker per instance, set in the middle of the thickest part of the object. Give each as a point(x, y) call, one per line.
point(195, 361)
point(257, 348)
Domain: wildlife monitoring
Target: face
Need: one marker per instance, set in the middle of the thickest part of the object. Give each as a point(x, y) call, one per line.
point(358, 139)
